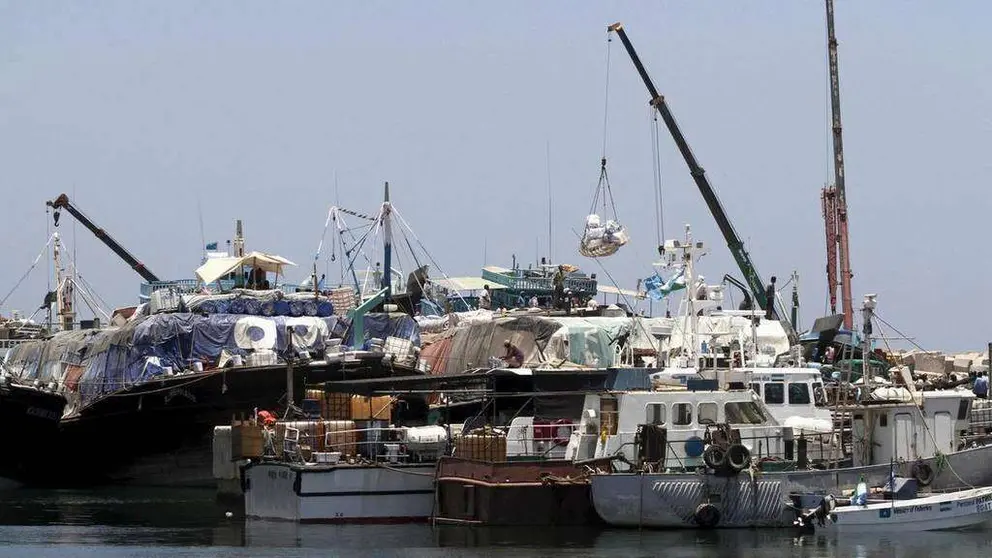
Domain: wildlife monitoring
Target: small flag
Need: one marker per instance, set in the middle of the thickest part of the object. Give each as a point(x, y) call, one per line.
point(211, 246)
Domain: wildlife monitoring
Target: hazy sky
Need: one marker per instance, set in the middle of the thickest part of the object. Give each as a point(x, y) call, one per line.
point(140, 111)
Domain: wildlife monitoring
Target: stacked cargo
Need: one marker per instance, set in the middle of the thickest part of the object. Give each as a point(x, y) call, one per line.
point(483, 444)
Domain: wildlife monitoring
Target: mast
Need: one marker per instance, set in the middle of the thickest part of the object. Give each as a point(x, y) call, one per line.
point(683, 253)
point(63, 289)
point(835, 198)
point(387, 244)
point(239, 239)
point(868, 311)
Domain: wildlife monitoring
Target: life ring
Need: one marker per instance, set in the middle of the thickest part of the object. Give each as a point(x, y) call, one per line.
point(923, 473)
point(714, 457)
point(738, 457)
point(706, 516)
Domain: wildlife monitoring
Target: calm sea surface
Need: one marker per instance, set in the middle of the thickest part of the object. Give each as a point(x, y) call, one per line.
point(176, 523)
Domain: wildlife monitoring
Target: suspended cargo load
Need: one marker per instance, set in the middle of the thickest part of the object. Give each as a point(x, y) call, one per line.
point(602, 240)
point(599, 239)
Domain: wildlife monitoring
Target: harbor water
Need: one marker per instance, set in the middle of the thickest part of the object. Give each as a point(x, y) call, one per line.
point(185, 523)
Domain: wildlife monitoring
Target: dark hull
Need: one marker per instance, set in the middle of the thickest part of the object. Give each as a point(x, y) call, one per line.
point(160, 433)
point(521, 493)
point(30, 418)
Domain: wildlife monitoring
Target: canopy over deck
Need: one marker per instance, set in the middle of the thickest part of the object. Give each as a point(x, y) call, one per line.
point(216, 268)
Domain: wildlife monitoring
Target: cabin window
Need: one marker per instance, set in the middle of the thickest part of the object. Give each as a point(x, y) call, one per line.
point(798, 393)
point(963, 409)
point(883, 420)
point(683, 414)
point(756, 388)
point(706, 413)
point(744, 412)
point(656, 413)
point(774, 393)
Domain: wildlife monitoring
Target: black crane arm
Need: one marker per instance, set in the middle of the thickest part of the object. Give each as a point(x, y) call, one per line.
point(62, 202)
point(733, 240)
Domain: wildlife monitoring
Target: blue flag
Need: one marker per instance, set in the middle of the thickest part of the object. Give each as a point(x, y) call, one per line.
point(658, 288)
point(211, 246)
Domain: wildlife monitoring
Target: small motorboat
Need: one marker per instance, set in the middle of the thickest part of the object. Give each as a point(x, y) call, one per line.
point(900, 508)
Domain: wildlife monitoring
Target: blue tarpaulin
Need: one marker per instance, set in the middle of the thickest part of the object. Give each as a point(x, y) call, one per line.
point(100, 362)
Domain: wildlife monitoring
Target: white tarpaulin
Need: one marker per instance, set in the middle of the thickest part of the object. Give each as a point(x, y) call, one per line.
point(215, 268)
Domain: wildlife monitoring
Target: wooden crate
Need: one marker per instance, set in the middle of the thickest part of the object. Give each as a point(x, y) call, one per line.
point(338, 407)
point(481, 447)
point(246, 441)
point(371, 408)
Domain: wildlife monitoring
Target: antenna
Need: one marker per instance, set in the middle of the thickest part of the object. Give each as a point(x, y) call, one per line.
point(547, 160)
point(203, 238)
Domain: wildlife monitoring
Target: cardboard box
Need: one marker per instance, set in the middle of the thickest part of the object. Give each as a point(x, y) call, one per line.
point(246, 441)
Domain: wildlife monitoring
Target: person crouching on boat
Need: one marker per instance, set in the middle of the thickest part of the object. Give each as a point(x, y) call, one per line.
point(514, 357)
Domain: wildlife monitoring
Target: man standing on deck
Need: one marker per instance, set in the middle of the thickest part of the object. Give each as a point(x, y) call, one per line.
point(485, 299)
point(770, 300)
point(981, 388)
point(559, 287)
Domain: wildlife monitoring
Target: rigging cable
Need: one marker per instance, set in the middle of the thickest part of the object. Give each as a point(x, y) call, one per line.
point(422, 247)
point(26, 273)
point(92, 292)
point(907, 338)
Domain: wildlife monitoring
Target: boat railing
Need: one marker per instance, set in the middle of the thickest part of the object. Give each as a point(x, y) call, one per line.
point(802, 447)
point(194, 286)
point(524, 283)
point(314, 442)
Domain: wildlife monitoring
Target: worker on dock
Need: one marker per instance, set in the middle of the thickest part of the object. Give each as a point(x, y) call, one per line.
point(514, 357)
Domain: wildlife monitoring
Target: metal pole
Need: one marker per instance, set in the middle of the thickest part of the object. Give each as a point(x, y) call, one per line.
point(289, 368)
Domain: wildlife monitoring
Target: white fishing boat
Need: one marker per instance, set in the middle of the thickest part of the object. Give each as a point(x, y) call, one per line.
point(938, 512)
point(340, 493)
point(391, 480)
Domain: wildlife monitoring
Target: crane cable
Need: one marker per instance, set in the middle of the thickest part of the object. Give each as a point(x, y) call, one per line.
point(659, 200)
point(606, 95)
point(604, 179)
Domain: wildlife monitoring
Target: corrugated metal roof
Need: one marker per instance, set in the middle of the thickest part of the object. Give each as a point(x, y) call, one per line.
point(466, 283)
point(607, 289)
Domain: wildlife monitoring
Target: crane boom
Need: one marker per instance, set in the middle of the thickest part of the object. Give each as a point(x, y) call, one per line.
point(62, 202)
point(709, 195)
point(838, 246)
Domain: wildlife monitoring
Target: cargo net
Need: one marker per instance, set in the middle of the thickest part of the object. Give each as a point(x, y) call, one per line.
point(599, 239)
